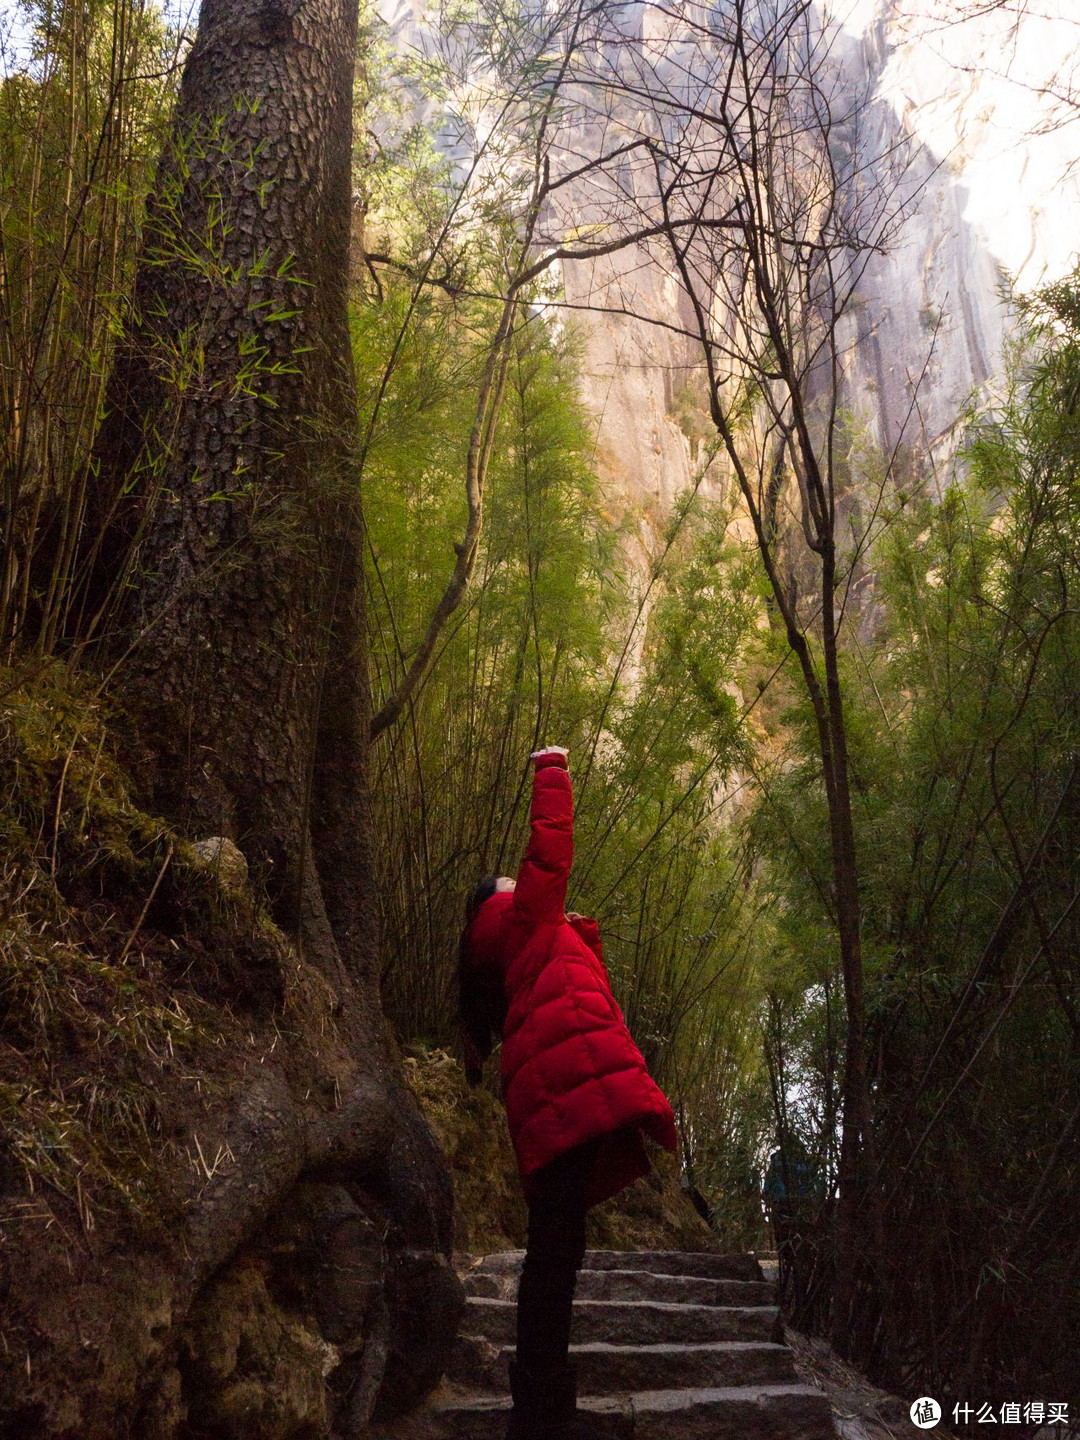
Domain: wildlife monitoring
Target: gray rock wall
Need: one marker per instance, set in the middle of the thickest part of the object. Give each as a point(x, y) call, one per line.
point(981, 112)
point(993, 195)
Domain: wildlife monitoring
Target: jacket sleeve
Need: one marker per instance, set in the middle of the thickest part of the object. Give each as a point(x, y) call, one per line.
point(545, 871)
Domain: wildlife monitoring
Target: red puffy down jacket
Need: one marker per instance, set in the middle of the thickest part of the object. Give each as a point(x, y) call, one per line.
point(570, 1070)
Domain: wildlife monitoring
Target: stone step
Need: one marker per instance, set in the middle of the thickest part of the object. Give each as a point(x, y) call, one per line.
point(607, 1369)
point(635, 1285)
point(632, 1322)
point(759, 1412)
point(667, 1346)
point(703, 1264)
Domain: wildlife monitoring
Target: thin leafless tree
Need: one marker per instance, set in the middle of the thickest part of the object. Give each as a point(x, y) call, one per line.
point(769, 197)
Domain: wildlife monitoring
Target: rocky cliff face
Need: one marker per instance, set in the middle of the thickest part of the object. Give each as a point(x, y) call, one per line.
point(993, 140)
point(981, 111)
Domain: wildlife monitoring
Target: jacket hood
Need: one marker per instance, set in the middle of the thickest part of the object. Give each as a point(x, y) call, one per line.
point(487, 935)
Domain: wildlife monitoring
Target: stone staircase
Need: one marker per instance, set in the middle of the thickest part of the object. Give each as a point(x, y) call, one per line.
point(667, 1346)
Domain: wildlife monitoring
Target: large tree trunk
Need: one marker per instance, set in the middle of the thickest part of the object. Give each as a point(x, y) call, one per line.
point(226, 595)
point(226, 453)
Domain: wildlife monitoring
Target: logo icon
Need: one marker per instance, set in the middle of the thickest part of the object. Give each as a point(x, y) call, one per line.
point(925, 1413)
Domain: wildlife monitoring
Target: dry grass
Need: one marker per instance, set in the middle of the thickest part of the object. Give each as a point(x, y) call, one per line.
point(104, 915)
point(861, 1410)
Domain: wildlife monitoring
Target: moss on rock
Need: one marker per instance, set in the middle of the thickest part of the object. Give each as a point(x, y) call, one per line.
point(490, 1214)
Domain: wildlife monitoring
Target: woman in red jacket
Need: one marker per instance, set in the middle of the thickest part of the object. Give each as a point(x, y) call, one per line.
point(578, 1095)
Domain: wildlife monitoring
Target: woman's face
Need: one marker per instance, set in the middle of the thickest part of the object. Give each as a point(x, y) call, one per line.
point(504, 883)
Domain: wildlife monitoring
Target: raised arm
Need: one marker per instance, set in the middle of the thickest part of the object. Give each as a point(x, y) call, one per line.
point(540, 894)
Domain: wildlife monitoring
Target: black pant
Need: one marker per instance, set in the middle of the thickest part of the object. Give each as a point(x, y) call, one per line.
point(553, 1256)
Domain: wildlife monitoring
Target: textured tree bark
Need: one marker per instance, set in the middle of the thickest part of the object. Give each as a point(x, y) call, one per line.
point(226, 595)
point(225, 459)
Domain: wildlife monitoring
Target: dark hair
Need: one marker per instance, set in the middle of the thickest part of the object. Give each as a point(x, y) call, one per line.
point(481, 1003)
point(483, 891)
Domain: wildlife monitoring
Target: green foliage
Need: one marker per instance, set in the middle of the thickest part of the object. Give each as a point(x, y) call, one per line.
point(521, 663)
point(658, 856)
point(80, 130)
point(84, 137)
point(554, 646)
point(964, 724)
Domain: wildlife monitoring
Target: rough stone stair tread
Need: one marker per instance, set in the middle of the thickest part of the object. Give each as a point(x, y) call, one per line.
point(663, 1348)
point(693, 1283)
point(772, 1412)
point(718, 1373)
point(604, 1368)
point(638, 1322)
point(482, 1302)
point(605, 1347)
point(644, 1399)
point(677, 1399)
point(697, 1263)
point(676, 1347)
point(636, 1285)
